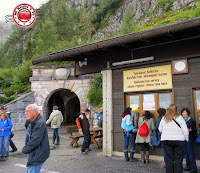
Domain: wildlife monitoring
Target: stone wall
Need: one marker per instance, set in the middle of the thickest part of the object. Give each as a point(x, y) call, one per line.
point(45, 81)
point(17, 109)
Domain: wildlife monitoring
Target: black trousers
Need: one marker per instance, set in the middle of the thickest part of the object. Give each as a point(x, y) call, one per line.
point(87, 139)
point(174, 153)
point(12, 145)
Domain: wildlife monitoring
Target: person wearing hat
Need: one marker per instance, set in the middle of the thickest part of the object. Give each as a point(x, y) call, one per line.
point(86, 131)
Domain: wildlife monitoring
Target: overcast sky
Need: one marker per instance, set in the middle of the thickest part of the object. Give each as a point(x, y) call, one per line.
point(7, 6)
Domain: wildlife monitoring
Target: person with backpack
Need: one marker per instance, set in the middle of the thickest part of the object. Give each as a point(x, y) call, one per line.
point(145, 125)
point(56, 118)
point(174, 133)
point(5, 127)
point(85, 126)
point(189, 152)
point(129, 136)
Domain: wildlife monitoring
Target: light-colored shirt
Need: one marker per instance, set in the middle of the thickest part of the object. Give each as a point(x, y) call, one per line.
point(172, 132)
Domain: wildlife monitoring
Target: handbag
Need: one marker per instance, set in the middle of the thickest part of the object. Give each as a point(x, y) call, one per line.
point(198, 140)
point(155, 139)
point(128, 128)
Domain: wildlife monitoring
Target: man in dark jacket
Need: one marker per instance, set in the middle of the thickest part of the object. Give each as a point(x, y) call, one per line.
point(37, 142)
point(86, 131)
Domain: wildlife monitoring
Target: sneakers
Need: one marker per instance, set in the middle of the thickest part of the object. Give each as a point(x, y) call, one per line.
point(53, 142)
point(187, 169)
point(13, 150)
point(84, 152)
point(87, 149)
point(57, 143)
point(4, 158)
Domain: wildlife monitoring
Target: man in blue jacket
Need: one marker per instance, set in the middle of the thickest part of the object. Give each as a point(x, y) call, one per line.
point(37, 142)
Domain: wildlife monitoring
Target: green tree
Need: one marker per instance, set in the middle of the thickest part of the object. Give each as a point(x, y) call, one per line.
point(95, 94)
point(128, 24)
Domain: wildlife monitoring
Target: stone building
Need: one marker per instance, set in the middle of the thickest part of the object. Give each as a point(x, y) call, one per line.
point(58, 86)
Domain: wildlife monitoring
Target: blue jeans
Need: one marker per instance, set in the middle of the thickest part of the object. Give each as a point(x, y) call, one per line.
point(4, 140)
point(129, 137)
point(189, 155)
point(56, 135)
point(34, 169)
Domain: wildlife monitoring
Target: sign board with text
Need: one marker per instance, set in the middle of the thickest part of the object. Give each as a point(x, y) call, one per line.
point(145, 79)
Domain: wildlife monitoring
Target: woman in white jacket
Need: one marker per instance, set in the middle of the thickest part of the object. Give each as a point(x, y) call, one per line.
point(174, 136)
point(56, 118)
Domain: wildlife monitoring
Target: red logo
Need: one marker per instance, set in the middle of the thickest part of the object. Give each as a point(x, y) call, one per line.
point(24, 15)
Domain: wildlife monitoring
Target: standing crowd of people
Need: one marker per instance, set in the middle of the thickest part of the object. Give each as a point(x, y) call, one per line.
point(176, 133)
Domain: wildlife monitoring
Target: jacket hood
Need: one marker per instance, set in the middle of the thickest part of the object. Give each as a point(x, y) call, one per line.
point(55, 112)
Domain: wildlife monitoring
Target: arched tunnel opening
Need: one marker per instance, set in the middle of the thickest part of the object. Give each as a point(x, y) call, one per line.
point(68, 103)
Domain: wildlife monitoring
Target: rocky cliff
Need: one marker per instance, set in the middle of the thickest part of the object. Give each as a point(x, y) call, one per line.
point(142, 11)
point(5, 31)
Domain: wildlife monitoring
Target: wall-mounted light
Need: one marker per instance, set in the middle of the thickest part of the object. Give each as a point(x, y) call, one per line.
point(133, 61)
point(82, 63)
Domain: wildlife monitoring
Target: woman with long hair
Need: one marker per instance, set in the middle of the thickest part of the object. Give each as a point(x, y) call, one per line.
point(189, 153)
point(127, 117)
point(145, 141)
point(174, 134)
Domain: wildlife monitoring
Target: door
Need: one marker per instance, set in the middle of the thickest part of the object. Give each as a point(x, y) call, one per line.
point(196, 94)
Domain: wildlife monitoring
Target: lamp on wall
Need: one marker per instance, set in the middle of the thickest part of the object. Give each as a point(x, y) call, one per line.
point(82, 63)
point(133, 61)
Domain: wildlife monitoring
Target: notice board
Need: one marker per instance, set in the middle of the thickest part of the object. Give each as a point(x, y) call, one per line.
point(145, 79)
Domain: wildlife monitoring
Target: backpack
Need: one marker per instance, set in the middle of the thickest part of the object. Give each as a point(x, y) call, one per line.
point(55, 120)
point(155, 139)
point(143, 130)
point(128, 128)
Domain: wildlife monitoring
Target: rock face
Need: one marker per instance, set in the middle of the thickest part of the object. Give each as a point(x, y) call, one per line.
point(5, 31)
point(138, 8)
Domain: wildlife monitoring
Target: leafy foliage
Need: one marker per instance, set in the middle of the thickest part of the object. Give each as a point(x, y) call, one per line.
point(95, 94)
point(128, 23)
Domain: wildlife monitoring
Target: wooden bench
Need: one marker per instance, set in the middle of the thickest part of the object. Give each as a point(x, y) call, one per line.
point(75, 137)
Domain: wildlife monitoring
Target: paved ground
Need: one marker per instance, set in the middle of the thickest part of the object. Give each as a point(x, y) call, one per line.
point(66, 159)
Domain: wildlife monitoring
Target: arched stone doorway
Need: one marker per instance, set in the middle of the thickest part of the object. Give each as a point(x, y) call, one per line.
point(67, 102)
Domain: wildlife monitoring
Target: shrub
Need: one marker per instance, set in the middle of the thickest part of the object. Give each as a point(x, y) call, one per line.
point(95, 94)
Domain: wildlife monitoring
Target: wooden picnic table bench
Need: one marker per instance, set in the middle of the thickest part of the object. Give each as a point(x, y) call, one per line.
point(94, 132)
point(74, 137)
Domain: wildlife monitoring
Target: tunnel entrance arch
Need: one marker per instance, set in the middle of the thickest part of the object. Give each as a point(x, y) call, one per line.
point(68, 103)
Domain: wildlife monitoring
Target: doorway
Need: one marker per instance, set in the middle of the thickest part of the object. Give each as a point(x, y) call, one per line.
point(68, 103)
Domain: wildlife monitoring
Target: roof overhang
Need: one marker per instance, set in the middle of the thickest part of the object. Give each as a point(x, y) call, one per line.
point(106, 50)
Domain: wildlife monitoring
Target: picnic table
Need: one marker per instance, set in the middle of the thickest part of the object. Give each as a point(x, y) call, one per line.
point(96, 133)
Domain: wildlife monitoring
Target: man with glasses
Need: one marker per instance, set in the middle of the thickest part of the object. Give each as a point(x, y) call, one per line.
point(37, 142)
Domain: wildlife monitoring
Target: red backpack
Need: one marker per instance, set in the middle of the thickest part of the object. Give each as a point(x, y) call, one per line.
point(143, 130)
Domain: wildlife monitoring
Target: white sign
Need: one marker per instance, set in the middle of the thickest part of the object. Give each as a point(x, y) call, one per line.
point(148, 102)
